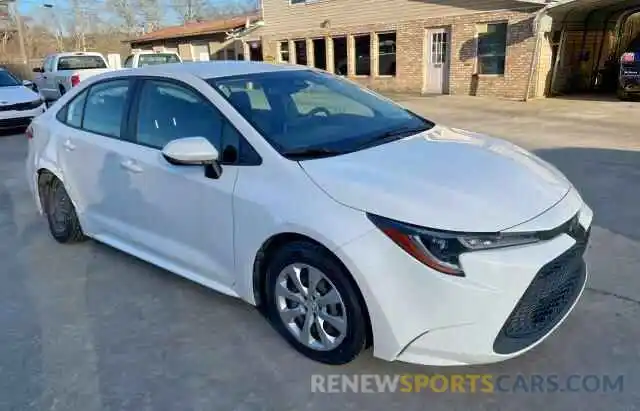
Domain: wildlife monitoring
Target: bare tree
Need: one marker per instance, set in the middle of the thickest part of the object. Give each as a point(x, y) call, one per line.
point(233, 8)
point(125, 11)
point(191, 10)
point(151, 14)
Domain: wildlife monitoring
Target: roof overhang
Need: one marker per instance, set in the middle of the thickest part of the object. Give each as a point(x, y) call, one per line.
point(574, 11)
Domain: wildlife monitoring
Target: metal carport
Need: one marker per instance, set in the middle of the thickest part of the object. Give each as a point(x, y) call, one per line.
point(588, 37)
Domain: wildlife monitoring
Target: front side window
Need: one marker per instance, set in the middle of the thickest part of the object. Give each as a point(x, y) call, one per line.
point(158, 58)
point(168, 112)
point(104, 109)
point(492, 48)
point(128, 63)
point(306, 111)
point(47, 65)
point(7, 79)
point(81, 63)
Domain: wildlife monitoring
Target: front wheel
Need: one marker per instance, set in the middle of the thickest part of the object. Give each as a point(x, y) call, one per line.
point(314, 304)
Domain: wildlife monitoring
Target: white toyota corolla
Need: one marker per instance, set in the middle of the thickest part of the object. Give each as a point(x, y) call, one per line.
point(19, 104)
point(349, 220)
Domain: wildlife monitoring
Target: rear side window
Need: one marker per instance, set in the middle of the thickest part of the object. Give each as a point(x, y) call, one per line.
point(81, 63)
point(75, 110)
point(128, 63)
point(104, 108)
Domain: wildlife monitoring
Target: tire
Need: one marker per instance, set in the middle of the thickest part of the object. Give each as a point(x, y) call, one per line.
point(315, 262)
point(61, 214)
point(623, 95)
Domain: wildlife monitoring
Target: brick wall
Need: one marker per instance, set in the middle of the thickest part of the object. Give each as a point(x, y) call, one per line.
point(411, 52)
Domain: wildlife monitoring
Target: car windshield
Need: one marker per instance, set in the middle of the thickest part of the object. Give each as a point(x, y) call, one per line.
point(7, 79)
point(307, 114)
point(81, 63)
point(158, 58)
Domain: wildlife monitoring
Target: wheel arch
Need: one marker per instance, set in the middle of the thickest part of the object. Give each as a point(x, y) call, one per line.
point(44, 175)
point(266, 252)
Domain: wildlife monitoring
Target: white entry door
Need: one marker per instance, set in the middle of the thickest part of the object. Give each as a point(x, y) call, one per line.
point(437, 60)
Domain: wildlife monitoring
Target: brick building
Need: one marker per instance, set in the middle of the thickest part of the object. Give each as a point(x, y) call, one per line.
point(480, 47)
point(517, 49)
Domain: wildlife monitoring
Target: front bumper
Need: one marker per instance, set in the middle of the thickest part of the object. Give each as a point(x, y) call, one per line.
point(15, 119)
point(510, 300)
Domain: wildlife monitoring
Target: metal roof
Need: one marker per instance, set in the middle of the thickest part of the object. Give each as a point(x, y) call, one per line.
point(580, 10)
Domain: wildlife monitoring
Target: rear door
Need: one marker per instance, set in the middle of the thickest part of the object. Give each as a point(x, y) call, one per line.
point(93, 146)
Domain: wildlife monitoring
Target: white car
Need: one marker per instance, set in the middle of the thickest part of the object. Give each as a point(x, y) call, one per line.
point(349, 220)
point(19, 104)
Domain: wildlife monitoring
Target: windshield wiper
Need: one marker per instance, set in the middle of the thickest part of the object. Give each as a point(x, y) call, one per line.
point(311, 152)
point(393, 135)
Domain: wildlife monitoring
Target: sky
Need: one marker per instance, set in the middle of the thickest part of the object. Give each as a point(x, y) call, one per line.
point(32, 7)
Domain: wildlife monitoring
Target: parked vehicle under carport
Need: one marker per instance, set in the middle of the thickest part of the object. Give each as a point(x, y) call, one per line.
point(629, 78)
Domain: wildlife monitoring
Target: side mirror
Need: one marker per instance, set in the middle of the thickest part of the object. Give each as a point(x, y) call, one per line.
point(38, 70)
point(193, 151)
point(27, 83)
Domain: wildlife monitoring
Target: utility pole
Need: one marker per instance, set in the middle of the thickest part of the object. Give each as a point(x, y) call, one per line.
point(16, 14)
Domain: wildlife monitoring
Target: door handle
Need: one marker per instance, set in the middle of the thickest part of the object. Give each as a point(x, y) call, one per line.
point(69, 146)
point(130, 165)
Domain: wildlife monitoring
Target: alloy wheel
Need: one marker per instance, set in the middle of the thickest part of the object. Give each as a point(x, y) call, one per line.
point(311, 307)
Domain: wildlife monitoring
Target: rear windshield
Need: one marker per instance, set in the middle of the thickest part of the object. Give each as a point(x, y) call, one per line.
point(81, 63)
point(159, 58)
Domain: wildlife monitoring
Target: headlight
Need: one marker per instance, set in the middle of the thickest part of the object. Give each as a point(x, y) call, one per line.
point(441, 250)
point(34, 104)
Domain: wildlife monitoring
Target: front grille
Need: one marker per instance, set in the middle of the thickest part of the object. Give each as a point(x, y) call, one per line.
point(550, 295)
point(21, 106)
point(8, 123)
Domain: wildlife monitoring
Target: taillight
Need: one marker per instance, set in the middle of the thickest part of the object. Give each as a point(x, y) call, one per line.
point(75, 80)
point(628, 57)
point(29, 133)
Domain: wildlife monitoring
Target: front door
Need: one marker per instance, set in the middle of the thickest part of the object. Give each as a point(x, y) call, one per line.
point(255, 51)
point(437, 58)
point(186, 217)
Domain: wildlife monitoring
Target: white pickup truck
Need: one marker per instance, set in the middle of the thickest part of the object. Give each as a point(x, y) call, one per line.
point(61, 71)
point(150, 58)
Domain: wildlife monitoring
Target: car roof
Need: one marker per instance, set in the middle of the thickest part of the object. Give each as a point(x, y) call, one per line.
point(213, 69)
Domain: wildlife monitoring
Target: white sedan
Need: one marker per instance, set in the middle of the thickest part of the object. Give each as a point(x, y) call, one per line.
point(19, 104)
point(347, 219)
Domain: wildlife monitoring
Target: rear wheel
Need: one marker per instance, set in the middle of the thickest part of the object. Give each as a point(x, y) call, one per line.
point(61, 214)
point(313, 303)
point(623, 95)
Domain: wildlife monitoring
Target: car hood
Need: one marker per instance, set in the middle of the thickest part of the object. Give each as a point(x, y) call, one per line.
point(16, 94)
point(444, 178)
